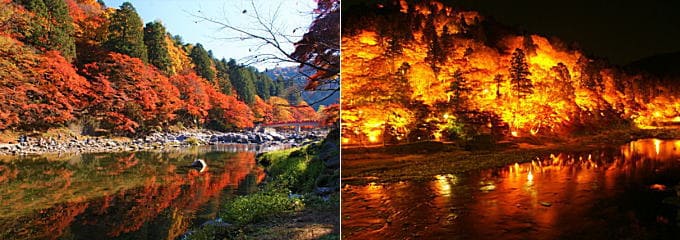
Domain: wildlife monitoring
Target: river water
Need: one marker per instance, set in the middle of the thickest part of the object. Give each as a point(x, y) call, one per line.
point(142, 195)
point(618, 192)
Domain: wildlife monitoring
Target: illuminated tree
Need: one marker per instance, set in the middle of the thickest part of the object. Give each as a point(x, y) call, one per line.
point(498, 79)
point(435, 54)
point(126, 33)
point(519, 72)
point(459, 88)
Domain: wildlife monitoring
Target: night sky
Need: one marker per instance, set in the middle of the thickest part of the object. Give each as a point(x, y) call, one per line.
point(621, 31)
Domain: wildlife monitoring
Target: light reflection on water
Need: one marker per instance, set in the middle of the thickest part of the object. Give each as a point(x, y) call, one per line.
point(609, 193)
point(143, 195)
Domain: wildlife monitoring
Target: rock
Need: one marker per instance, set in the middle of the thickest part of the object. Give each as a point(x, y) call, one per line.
point(323, 190)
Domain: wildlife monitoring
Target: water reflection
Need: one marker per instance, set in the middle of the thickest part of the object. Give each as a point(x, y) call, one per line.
point(610, 193)
point(145, 195)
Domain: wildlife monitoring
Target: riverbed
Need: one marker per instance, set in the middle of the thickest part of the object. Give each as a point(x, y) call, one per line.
point(122, 195)
point(628, 191)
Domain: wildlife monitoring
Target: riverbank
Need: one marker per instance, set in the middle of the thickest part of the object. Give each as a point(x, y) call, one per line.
point(299, 199)
point(422, 161)
point(64, 141)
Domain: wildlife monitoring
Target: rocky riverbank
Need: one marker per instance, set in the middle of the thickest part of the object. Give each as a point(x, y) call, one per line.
point(156, 141)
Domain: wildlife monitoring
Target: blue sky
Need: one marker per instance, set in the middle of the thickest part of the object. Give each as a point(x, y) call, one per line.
point(177, 17)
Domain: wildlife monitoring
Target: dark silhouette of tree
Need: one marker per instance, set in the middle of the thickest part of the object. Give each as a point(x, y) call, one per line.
point(126, 33)
point(519, 73)
point(157, 49)
point(563, 81)
point(459, 88)
point(498, 79)
point(202, 62)
point(435, 54)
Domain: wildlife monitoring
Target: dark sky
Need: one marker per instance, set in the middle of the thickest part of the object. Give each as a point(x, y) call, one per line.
point(621, 31)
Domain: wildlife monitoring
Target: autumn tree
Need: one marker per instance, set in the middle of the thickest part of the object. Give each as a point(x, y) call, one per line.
point(519, 72)
point(157, 48)
point(202, 62)
point(126, 33)
point(131, 95)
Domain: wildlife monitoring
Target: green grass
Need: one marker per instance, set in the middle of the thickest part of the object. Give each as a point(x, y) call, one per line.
point(260, 206)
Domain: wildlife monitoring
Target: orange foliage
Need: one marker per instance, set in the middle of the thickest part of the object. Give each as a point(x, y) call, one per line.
point(202, 98)
point(130, 93)
point(40, 90)
point(263, 110)
point(570, 91)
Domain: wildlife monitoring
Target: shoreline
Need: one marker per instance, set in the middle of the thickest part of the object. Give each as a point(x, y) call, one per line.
point(155, 141)
point(422, 161)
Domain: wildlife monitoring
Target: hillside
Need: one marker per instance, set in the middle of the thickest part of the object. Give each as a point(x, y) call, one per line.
point(415, 70)
point(80, 63)
point(295, 80)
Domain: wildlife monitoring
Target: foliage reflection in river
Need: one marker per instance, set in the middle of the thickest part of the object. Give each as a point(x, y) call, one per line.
point(609, 193)
point(143, 195)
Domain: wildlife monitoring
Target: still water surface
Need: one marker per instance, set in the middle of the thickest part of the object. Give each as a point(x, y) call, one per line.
point(143, 195)
point(620, 192)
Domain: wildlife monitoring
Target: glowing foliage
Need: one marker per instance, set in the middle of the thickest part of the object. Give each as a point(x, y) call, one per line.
point(439, 69)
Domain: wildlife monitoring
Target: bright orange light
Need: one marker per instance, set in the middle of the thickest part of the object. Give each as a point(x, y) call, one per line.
point(657, 146)
point(372, 138)
point(514, 134)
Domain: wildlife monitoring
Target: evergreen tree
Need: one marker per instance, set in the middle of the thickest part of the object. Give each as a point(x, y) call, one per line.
point(498, 79)
point(126, 33)
point(278, 86)
point(202, 62)
point(53, 26)
point(61, 36)
point(435, 54)
point(242, 81)
point(263, 85)
point(459, 87)
point(223, 76)
point(157, 49)
point(519, 72)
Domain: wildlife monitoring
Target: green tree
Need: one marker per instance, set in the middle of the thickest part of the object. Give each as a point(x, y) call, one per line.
point(53, 26)
point(157, 48)
point(263, 85)
point(223, 76)
point(519, 73)
point(202, 62)
point(126, 33)
point(242, 81)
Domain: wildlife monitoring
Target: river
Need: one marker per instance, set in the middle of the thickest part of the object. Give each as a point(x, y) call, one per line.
point(127, 195)
point(616, 192)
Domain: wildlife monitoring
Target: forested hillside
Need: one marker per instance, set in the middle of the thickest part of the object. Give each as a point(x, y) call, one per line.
point(424, 70)
point(79, 62)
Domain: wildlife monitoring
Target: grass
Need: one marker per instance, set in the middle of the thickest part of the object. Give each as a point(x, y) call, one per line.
point(274, 212)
